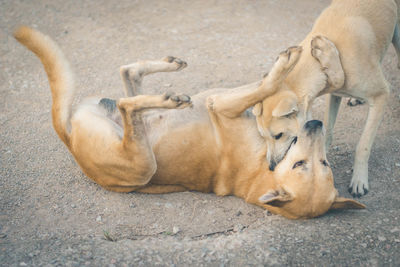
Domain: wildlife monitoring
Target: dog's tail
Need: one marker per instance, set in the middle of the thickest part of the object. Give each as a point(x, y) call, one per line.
point(59, 74)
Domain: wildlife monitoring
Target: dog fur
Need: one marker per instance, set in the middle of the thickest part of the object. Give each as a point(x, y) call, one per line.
point(354, 35)
point(146, 143)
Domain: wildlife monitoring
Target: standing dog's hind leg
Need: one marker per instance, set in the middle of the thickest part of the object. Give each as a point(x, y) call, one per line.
point(132, 74)
point(352, 102)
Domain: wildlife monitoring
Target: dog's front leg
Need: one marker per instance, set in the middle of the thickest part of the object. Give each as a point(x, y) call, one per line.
point(233, 104)
point(331, 112)
point(359, 185)
point(132, 74)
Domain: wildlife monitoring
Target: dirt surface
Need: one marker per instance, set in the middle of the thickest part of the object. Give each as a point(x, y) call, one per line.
point(51, 214)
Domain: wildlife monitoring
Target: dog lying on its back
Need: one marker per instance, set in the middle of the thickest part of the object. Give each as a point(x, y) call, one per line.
point(147, 143)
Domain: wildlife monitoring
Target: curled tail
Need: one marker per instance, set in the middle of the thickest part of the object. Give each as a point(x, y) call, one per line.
point(59, 74)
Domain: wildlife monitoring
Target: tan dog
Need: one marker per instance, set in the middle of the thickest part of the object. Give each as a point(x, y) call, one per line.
point(145, 143)
point(361, 30)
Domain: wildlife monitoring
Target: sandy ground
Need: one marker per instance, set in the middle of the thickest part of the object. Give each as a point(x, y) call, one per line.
point(51, 214)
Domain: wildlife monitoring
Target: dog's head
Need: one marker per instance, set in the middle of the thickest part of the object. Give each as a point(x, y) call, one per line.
point(278, 121)
point(303, 179)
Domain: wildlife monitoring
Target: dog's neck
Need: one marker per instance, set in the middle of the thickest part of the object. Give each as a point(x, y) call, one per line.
point(259, 185)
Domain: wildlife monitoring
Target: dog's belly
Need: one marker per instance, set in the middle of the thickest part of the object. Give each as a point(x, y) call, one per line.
point(187, 156)
point(187, 153)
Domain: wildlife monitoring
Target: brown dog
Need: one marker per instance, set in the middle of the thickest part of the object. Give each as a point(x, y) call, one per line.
point(361, 30)
point(147, 144)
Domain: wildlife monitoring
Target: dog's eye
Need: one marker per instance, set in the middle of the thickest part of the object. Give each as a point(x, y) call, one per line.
point(299, 163)
point(325, 163)
point(278, 136)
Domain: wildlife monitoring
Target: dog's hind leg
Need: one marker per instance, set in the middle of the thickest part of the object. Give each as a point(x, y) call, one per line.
point(332, 108)
point(131, 164)
point(352, 102)
point(132, 74)
point(359, 182)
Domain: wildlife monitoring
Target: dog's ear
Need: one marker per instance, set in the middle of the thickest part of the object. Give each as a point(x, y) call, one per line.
point(341, 203)
point(258, 109)
point(285, 107)
point(275, 198)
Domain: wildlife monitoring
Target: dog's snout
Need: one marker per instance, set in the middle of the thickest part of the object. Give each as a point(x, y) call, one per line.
point(312, 126)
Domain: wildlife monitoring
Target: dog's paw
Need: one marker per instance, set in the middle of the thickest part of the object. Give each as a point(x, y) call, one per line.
point(178, 63)
point(287, 59)
point(355, 102)
point(285, 62)
point(323, 50)
point(177, 101)
point(359, 185)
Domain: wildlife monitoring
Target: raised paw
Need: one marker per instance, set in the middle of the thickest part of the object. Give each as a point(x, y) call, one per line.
point(358, 187)
point(283, 65)
point(177, 101)
point(177, 62)
point(286, 61)
point(355, 102)
point(323, 50)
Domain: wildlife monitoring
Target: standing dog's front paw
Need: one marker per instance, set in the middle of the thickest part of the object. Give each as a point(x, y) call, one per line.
point(323, 50)
point(359, 185)
point(178, 63)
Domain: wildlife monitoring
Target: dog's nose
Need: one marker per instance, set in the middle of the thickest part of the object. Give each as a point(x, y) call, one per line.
point(313, 126)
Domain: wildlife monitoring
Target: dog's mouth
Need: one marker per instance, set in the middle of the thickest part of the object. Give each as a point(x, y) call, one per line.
point(273, 163)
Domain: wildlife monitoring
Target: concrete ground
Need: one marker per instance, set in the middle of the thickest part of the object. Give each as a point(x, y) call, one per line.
point(51, 214)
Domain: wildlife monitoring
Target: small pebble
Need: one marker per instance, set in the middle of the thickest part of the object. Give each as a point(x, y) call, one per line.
point(73, 206)
point(175, 230)
point(98, 219)
point(381, 238)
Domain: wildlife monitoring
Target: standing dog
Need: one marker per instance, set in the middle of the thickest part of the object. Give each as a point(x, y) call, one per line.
point(146, 143)
point(361, 30)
